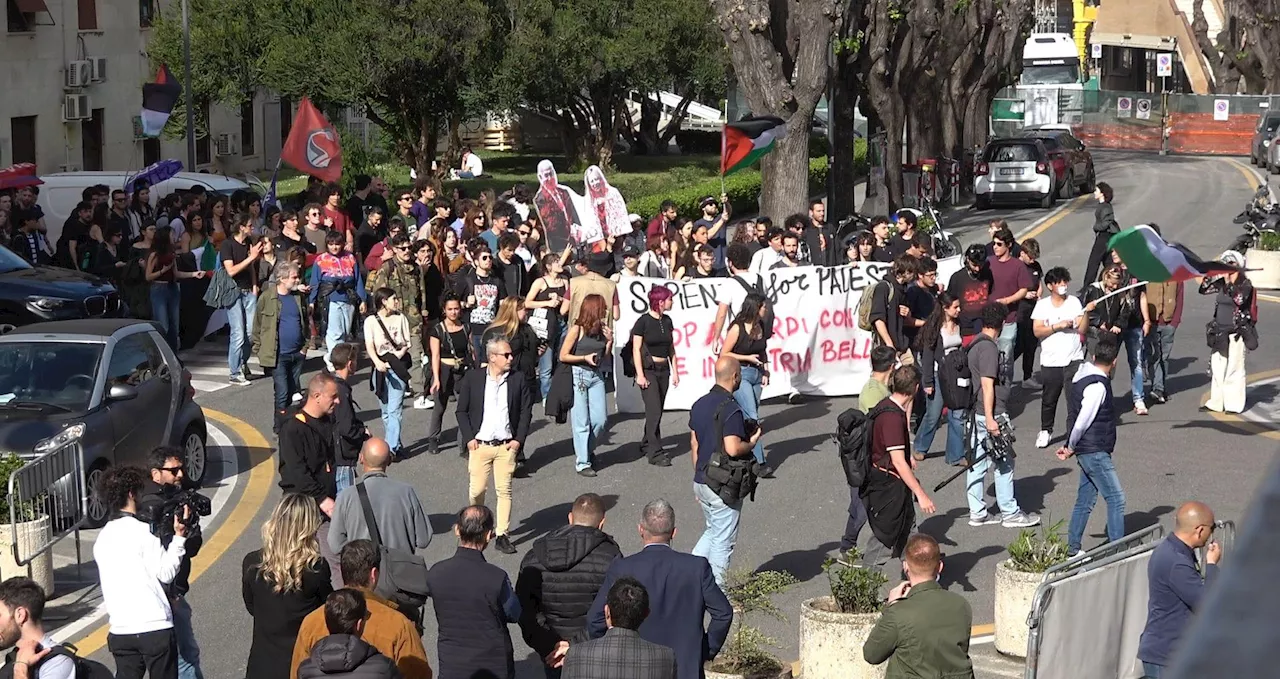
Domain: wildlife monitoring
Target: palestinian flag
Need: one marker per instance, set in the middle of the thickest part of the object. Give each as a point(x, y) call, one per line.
point(1150, 258)
point(742, 143)
point(158, 100)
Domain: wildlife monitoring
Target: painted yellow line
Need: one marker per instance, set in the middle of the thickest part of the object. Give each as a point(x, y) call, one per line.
point(982, 630)
point(1269, 298)
point(1044, 226)
point(251, 500)
point(1250, 177)
point(1246, 426)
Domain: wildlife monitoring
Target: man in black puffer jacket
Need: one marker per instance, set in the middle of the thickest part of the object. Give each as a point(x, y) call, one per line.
point(559, 579)
point(343, 654)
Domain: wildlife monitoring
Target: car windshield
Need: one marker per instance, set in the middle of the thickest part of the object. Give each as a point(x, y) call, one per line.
point(56, 376)
point(10, 261)
point(1055, 74)
point(1011, 153)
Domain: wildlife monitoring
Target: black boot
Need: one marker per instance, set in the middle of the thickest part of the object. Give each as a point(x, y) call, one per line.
point(433, 445)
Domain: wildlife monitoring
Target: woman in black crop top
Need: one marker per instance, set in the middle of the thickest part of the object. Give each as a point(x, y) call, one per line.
point(746, 343)
point(450, 358)
point(653, 352)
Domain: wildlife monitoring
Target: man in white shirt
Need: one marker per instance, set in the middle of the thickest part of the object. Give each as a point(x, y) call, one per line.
point(743, 281)
point(493, 418)
point(471, 168)
point(133, 568)
point(1058, 321)
point(765, 258)
point(22, 626)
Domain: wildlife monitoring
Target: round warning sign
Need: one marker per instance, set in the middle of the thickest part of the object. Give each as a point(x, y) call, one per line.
point(1144, 105)
point(1124, 103)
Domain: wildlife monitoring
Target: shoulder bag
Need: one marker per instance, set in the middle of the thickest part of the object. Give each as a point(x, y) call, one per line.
point(402, 575)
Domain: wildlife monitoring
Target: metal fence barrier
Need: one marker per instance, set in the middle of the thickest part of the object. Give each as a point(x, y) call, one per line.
point(1088, 614)
point(48, 500)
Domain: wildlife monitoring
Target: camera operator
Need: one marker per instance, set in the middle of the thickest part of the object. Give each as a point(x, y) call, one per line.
point(723, 467)
point(133, 567)
point(167, 465)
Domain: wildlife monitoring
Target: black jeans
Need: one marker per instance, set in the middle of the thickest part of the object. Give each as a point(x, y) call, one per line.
point(1095, 262)
point(1025, 345)
point(449, 381)
point(154, 654)
point(654, 397)
point(857, 520)
point(1055, 380)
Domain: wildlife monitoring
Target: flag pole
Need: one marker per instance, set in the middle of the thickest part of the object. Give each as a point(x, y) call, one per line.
point(1116, 292)
point(723, 143)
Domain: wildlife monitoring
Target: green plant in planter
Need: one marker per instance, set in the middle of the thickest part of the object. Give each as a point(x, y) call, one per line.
point(1268, 241)
point(10, 463)
point(1036, 550)
point(751, 593)
point(854, 589)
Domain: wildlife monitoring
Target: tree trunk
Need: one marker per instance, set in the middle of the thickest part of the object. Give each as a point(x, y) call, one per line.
point(841, 171)
point(1259, 20)
point(647, 135)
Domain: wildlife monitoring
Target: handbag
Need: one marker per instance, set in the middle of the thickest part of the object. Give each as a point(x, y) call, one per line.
point(1248, 333)
point(402, 575)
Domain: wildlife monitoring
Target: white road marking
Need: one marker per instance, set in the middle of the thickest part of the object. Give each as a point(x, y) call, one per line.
point(219, 444)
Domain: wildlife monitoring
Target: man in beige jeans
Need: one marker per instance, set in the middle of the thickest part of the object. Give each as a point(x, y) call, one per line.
point(493, 418)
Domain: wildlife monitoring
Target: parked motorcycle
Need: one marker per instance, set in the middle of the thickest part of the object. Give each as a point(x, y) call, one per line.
point(1261, 215)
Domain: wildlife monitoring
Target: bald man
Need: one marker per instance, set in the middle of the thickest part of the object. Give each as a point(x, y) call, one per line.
point(717, 424)
point(402, 524)
point(1174, 585)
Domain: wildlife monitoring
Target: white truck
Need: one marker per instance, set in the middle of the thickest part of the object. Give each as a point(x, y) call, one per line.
point(1052, 81)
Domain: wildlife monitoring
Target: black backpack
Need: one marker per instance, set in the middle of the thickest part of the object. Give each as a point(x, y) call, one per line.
point(85, 668)
point(954, 368)
point(853, 442)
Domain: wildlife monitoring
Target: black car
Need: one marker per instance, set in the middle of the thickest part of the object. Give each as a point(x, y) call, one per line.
point(32, 294)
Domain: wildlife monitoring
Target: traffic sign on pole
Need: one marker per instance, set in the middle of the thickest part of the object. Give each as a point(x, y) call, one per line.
point(1164, 64)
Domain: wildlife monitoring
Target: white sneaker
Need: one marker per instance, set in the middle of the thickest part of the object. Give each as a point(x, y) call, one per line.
point(1042, 439)
point(423, 403)
point(296, 398)
point(1021, 520)
point(1139, 408)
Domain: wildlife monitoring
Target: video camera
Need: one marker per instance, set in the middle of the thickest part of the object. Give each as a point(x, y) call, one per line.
point(163, 514)
point(999, 446)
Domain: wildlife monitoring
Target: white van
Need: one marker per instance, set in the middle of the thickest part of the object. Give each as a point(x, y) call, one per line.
point(62, 191)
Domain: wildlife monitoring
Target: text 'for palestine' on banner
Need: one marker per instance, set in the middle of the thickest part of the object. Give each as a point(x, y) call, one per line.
point(817, 347)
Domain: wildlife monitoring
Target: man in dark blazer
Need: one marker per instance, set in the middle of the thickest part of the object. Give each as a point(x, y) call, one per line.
point(621, 653)
point(681, 591)
point(494, 407)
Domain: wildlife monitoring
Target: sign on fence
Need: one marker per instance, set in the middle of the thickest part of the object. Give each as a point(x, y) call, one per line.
point(1221, 109)
point(817, 347)
point(1124, 107)
point(1144, 109)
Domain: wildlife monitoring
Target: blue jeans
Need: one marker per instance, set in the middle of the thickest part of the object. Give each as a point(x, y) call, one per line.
point(588, 414)
point(955, 435)
point(240, 318)
point(341, 316)
point(1133, 341)
point(931, 419)
point(391, 409)
point(1151, 670)
point(287, 377)
point(164, 310)
point(547, 361)
point(721, 533)
point(1097, 475)
point(345, 476)
point(1159, 348)
point(1005, 341)
point(748, 396)
point(976, 478)
point(188, 649)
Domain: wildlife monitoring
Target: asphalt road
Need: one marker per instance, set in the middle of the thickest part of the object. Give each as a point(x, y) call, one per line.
point(1173, 455)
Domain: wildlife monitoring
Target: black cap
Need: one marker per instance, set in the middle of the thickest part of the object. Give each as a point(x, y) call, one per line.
point(630, 250)
point(976, 253)
point(706, 200)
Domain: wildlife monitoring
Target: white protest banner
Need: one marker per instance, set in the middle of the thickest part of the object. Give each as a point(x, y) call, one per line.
point(816, 348)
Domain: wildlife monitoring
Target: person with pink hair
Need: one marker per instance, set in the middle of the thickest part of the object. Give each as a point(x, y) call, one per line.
point(653, 352)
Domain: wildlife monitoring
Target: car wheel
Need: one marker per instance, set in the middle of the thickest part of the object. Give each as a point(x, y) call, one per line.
point(193, 444)
point(982, 202)
point(1090, 182)
point(1067, 187)
point(1048, 199)
point(98, 510)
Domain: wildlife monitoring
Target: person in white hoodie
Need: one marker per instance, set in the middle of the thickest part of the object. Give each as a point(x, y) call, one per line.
point(133, 568)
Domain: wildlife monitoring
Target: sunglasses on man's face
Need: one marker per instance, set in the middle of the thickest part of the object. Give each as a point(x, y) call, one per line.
point(402, 248)
point(504, 354)
point(524, 233)
point(406, 198)
point(484, 258)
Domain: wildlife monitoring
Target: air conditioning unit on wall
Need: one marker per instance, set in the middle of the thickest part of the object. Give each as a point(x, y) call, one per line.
point(76, 107)
point(78, 73)
point(225, 145)
point(98, 69)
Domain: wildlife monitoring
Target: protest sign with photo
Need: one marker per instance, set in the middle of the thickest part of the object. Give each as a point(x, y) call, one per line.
point(557, 207)
point(817, 347)
point(605, 204)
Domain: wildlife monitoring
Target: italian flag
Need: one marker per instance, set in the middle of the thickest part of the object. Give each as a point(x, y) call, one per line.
point(1152, 259)
point(742, 143)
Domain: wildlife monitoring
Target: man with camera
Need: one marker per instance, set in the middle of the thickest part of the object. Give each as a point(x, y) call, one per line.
point(162, 499)
point(133, 568)
point(724, 471)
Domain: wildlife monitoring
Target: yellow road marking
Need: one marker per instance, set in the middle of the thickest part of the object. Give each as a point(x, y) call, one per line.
point(1247, 426)
point(251, 500)
point(1044, 226)
point(1249, 175)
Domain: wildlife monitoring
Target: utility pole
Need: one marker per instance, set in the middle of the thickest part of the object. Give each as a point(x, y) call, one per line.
point(186, 86)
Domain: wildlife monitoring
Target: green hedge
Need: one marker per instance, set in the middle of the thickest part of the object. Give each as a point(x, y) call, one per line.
point(742, 187)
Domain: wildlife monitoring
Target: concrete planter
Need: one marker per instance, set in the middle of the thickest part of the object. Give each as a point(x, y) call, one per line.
point(1014, 592)
point(784, 674)
point(30, 535)
point(831, 642)
point(1267, 265)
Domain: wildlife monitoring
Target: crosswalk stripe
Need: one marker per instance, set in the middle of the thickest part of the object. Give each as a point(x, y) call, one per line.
point(209, 360)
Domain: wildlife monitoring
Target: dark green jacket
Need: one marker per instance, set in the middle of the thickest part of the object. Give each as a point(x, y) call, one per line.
point(266, 324)
point(923, 635)
point(403, 278)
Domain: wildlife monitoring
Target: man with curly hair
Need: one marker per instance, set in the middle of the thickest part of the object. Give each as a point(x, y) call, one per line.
point(134, 568)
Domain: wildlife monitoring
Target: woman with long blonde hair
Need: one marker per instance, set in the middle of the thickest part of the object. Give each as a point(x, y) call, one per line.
point(283, 582)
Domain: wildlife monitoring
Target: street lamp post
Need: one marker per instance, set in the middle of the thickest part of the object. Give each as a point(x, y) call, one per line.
point(186, 86)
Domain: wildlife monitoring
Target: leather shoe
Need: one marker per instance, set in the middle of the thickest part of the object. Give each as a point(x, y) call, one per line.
point(1159, 397)
point(522, 471)
point(587, 472)
point(660, 461)
point(503, 544)
point(766, 472)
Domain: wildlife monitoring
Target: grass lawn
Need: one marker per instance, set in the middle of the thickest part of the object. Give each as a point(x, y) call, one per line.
point(633, 176)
